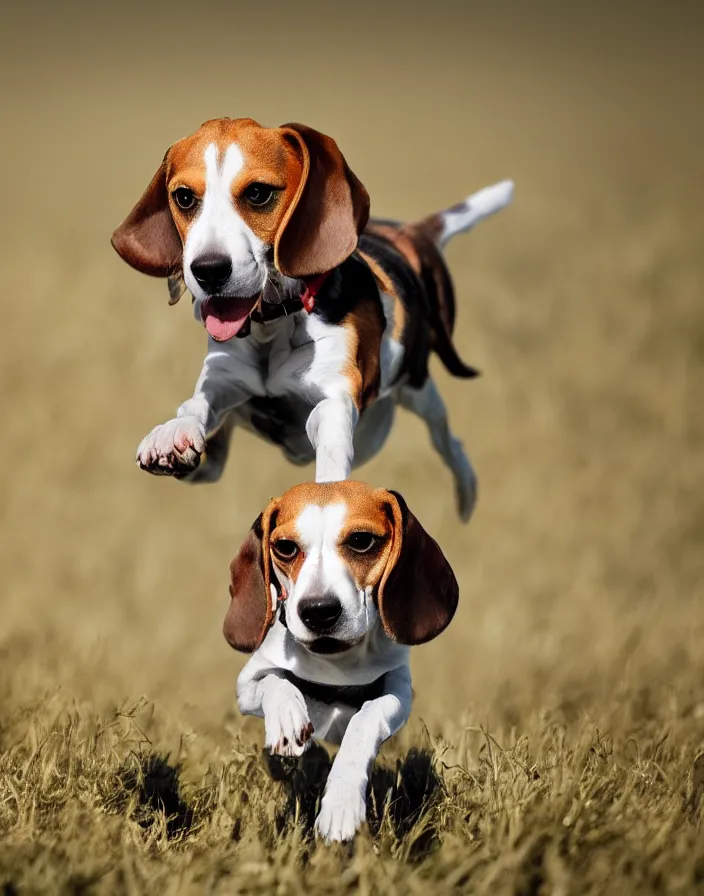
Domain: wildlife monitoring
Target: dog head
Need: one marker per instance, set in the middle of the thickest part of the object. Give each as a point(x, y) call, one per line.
point(236, 206)
point(341, 556)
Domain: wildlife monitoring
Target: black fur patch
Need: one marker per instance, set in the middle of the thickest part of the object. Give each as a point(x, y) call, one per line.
point(343, 289)
point(416, 302)
point(350, 695)
point(277, 418)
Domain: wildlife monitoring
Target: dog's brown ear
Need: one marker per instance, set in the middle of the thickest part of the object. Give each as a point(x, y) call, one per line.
point(147, 239)
point(327, 214)
point(252, 607)
point(418, 591)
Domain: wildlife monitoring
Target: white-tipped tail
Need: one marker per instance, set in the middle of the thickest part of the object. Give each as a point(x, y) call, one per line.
point(465, 215)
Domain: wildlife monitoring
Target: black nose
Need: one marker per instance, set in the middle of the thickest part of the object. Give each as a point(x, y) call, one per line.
point(212, 271)
point(320, 613)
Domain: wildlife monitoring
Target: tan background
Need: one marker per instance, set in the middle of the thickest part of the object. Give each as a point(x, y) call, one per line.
point(581, 571)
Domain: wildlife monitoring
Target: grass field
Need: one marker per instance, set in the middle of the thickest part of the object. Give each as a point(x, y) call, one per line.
point(557, 740)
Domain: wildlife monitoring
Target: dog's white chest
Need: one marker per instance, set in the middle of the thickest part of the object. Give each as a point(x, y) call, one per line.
point(273, 359)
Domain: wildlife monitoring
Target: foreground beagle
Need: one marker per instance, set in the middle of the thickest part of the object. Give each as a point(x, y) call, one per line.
point(319, 321)
point(332, 585)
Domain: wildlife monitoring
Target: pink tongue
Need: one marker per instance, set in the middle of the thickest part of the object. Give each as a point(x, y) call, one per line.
point(224, 318)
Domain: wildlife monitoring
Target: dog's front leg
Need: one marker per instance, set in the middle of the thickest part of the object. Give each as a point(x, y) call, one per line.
point(344, 806)
point(332, 379)
point(175, 448)
point(330, 428)
point(267, 694)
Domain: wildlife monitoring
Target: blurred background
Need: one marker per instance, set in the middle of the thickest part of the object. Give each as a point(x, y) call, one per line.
point(581, 571)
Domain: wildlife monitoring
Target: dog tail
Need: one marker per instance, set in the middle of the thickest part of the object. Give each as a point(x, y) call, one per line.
point(463, 216)
point(429, 236)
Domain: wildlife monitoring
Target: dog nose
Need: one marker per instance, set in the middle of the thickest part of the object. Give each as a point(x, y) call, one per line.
point(320, 613)
point(211, 271)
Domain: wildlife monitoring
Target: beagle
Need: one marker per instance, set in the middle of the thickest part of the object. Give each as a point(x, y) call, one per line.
point(332, 585)
point(319, 320)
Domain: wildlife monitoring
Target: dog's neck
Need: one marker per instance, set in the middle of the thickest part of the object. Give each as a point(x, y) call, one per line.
point(279, 287)
point(363, 663)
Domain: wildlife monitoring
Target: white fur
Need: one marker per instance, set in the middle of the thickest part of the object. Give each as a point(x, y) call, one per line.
point(325, 572)
point(179, 435)
point(286, 722)
point(262, 688)
point(332, 422)
point(479, 205)
point(218, 229)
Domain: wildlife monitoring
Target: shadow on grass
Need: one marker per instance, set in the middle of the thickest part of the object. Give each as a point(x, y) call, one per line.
point(399, 797)
point(153, 783)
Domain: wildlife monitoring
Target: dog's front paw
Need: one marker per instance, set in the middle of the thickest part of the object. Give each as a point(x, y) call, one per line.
point(173, 448)
point(342, 811)
point(287, 728)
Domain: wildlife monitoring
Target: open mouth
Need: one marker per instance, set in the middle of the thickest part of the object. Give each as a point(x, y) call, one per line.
point(224, 316)
point(329, 645)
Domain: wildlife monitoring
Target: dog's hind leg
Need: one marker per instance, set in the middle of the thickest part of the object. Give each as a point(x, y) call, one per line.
point(427, 404)
point(373, 429)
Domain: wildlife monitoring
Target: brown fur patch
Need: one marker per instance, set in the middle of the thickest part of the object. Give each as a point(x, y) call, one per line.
point(366, 513)
point(365, 327)
point(387, 286)
point(416, 590)
point(312, 222)
point(402, 240)
point(268, 158)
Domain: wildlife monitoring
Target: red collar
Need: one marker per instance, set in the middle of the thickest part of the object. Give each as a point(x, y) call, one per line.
point(312, 290)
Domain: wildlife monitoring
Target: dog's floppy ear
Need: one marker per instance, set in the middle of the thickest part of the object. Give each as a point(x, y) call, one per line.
point(251, 610)
point(147, 239)
point(418, 592)
point(327, 214)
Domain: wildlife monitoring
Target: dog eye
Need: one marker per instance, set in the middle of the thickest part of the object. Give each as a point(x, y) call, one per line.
point(258, 194)
point(361, 542)
point(285, 549)
point(184, 198)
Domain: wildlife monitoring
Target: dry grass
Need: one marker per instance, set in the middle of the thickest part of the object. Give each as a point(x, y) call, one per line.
point(554, 744)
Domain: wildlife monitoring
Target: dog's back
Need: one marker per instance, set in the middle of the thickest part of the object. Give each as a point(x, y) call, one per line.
point(409, 265)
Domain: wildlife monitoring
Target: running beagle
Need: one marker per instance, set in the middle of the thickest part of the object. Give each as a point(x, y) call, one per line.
point(319, 321)
point(332, 585)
